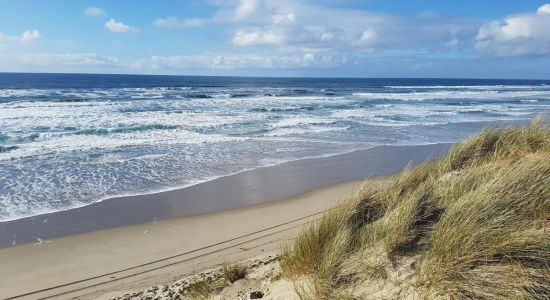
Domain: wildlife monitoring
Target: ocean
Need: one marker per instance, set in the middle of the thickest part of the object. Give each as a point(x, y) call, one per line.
point(68, 140)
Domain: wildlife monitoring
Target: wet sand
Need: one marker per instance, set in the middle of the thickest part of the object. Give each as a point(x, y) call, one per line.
point(247, 188)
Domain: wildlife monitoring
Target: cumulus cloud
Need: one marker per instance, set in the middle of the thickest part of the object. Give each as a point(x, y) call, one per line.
point(517, 35)
point(29, 36)
point(303, 33)
point(306, 24)
point(544, 9)
point(307, 34)
point(258, 36)
point(41, 60)
point(368, 37)
point(284, 19)
point(26, 37)
point(246, 8)
point(284, 59)
point(175, 22)
point(298, 24)
point(119, 27)
point(94, 12)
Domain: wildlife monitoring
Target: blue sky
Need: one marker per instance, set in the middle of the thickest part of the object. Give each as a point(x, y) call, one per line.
point(330, 38)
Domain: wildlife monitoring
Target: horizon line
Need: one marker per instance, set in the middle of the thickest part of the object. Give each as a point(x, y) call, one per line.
point(281, 77)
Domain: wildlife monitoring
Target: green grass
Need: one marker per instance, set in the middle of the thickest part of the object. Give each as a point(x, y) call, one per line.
point(474, 224)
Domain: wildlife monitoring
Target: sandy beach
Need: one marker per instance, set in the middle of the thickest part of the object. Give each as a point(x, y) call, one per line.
point(191, 244)
point(125, 244)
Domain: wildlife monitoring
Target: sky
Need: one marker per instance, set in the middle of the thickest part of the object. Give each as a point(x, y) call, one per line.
point(325, 38)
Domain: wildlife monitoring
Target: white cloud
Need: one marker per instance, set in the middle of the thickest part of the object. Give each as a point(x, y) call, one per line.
point(452, 43)
point(179, 23)
point(40, 60)
point(119, 27)
point(326, 36)
point(72, 59)
point(94, 12)
point(296, 23)
point(246, 8)
point(544, 9)
point(284, 59)
point(302, 23)
point(258, 36)
point(305, 24)
point(309, 57)
point(368, 37)
point(284, 19)
point(29, 36)
point(26, 37)
point(517, 35)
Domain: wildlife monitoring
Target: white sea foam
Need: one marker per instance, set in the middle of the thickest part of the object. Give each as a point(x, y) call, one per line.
point(64, 148)
point(454, 95)
point(470, 87)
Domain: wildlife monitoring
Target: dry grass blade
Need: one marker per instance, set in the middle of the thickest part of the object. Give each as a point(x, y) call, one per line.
point(474, 224)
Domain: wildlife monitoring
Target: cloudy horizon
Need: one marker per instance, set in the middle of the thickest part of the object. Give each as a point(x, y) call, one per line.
point(278, 38)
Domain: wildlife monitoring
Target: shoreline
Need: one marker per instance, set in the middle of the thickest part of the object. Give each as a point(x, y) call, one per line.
point(246, 188)
point(200, 181)
point(87, 261)
point(114, 261)
point(212, 178)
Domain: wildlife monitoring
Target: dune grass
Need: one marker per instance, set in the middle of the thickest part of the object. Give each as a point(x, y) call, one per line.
point(203, 289)
point(474, 224)
point(207, 288)
point(234, 272)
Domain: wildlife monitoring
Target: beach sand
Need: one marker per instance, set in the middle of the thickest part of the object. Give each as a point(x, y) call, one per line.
point(130, 243)
point(198, 242)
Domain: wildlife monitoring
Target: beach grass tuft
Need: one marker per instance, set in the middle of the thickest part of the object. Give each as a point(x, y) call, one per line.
point(204, 289)
point(234, 272)
point(474, 224)
point(208, 287)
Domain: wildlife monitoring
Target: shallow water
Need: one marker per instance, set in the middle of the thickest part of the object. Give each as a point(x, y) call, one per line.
point(70, 140)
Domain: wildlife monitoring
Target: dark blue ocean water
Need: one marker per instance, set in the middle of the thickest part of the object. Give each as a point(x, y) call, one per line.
point(67, 140)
